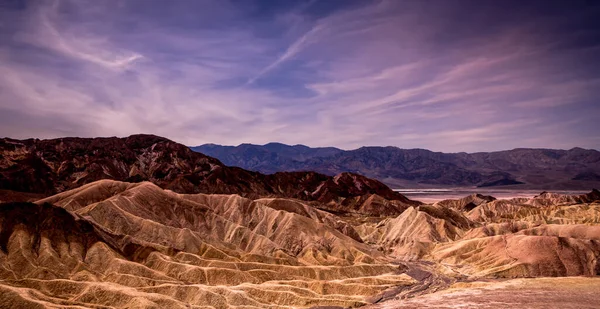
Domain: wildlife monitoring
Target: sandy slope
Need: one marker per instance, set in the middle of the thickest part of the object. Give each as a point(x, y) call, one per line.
point(111, 244)
point(138, 246)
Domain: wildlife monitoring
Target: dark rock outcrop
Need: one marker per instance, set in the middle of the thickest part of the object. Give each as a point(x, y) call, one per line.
point(52, 166)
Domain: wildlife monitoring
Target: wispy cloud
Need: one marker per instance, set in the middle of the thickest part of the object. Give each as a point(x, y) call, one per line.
point(290, 52)
point(95, 49)
point(383, 73)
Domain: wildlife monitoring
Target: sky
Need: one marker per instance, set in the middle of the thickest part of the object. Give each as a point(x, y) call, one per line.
point(445, 75)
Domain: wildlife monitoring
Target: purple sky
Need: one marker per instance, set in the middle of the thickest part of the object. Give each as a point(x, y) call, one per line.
point(446, 75)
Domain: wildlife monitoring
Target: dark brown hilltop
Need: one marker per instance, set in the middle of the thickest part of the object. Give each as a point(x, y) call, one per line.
point(55, 165)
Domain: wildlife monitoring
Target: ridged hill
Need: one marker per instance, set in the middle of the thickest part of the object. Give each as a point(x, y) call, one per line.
point(547, 235)
point(135, 245)
point(466, 203)
point(56, 165)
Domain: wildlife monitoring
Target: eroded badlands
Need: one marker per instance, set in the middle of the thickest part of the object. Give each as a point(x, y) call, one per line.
point(111, 244)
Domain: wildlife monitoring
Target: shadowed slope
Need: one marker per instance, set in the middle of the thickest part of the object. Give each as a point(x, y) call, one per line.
point(51, 166)
point(466, 203)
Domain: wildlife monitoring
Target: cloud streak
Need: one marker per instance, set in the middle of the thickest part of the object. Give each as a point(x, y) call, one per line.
point(321, 73)
point(290, 52)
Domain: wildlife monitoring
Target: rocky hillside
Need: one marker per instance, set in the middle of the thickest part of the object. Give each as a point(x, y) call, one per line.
point(135, 245)
point(52, 166)
point(519, 168)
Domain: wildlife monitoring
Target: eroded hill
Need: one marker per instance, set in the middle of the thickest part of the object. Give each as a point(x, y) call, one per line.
point(136, 245)
point(52, 166)
point(143, 222)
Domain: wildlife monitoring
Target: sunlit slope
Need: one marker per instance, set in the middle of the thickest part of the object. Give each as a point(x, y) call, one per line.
point(135, 245)
point(139, 246)
point(549, 235)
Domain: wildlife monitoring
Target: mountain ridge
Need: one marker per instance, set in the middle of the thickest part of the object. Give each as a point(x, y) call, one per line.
point(56, 165)
point(519, 168)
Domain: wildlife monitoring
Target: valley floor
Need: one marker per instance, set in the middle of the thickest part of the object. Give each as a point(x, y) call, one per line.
point(533, 293)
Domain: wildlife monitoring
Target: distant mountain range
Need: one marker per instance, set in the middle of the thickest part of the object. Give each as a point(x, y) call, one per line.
point(522, 168)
